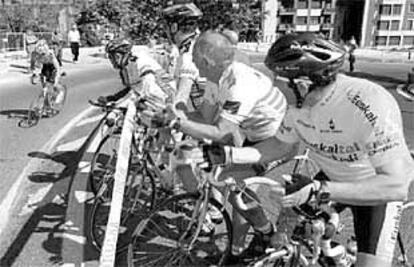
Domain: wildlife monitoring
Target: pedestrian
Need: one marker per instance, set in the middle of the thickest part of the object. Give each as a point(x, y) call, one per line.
point(352, 45)
point(56, 44)
point(74, 42)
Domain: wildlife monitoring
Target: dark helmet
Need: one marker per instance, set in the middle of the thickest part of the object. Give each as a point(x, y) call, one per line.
point(306, 54)
point(119, 52)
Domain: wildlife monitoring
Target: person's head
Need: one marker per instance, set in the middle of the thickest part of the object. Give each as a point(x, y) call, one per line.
point(305, 55)
point(232, 35)
point(74, 27)
point(181, 19)
point(41, 47)
point(119, 52)
point(213, 52)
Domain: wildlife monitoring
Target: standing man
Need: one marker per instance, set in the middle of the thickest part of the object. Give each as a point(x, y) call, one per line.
point(74, 42)
point(30, 40)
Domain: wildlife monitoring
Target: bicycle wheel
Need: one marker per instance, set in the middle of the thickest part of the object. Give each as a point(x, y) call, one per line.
point(34, 113)
point(57, 99)
point(162, 240)
point(138, 201)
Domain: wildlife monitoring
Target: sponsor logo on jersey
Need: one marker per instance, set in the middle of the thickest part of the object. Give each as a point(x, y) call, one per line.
point(383, 145)
point(231, 106)
point(338, 152)
point(365, 108)
point(332, 128)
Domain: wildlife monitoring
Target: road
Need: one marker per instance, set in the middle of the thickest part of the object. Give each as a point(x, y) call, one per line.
point(45, 165)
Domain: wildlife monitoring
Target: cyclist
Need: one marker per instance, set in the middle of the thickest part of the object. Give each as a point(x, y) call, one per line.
point(134, 69)
point(50, 69)
point(243, 92)
point(353, 128)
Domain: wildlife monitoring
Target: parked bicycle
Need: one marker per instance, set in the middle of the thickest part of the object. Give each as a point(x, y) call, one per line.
point(48, 103)
point(143, 185)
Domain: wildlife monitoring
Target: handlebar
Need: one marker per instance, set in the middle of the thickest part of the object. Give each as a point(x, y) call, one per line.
point(107, 106)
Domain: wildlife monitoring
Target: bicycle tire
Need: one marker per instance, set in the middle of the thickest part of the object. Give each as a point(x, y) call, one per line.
point(103, 161)
point(138, 201)
point(177, 211)
point(34, 113)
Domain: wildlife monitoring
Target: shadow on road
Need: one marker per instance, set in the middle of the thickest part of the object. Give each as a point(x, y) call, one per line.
point(49, 213)
point(15, 113)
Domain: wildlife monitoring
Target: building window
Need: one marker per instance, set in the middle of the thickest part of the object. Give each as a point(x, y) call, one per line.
point(314, 20)
point(380, 40)
point(394, 40)
point(411, 8)
point(408, 40)
point(301, 20)
point(328, 4)
point(396, 9)
point(385, 10)
point(316, 4)
point(286, 19)
point(409, 25)
point(302, 4)
point(327, 19)
point(383, 25)
point(395, 25)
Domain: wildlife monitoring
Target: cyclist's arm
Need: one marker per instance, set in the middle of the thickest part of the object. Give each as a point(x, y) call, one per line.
point(390, 183)
point(57, 67)
point(183, 90)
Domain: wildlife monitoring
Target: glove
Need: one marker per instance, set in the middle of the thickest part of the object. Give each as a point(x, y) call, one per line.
point(301, 189)
point(216, 154)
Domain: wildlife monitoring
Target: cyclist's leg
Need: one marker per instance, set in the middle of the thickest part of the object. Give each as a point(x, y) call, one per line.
point(376, 229)
point(243, 219)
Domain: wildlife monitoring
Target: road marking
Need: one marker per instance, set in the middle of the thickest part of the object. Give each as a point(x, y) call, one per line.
point(83, 196)
point(34, 200)
point(13, 192)
point(84, 167)
point(73, 145)
point(90, 120)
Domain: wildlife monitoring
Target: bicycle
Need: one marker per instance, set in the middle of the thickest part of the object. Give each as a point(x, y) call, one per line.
point(172, 233)
point(143, 183)
point(47, 104)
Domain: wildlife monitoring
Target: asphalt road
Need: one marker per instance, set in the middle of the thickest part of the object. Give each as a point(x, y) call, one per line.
point(32, 237)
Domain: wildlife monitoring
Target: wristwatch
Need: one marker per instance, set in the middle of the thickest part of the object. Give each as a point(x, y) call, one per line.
point(323, 196)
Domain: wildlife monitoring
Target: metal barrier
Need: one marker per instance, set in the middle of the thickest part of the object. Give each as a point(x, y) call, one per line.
point(15, 41)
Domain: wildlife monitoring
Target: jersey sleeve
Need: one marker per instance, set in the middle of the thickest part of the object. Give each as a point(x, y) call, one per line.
point(146, 63)
point(186, 67)
point(381, 132)
point(287, 131)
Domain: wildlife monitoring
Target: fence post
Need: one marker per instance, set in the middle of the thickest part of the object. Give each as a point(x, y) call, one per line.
point(24, 43)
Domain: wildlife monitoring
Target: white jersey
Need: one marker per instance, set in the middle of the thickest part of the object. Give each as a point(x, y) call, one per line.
point(246, 93)
point(356, 127)
point(201, 89)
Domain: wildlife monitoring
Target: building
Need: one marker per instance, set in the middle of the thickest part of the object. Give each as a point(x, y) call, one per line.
point(388, 23)
point(306, 15)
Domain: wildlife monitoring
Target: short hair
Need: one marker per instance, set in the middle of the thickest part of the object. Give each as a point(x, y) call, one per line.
point(215, 46)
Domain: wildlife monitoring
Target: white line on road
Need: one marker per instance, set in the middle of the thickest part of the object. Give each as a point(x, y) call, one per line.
point(34, 200)
point(90, 120)
point(11, 195)
point(73, 145)
point(83, 196)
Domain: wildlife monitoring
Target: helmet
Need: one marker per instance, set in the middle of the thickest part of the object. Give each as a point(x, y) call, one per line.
point(41, 47)
point(305, 54)
point(181, 10)
point(121, 46)
point(119, 52)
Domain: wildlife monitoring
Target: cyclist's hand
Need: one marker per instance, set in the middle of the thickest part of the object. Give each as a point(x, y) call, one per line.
point(300, 189)
point(215, 154)
point(33, 78)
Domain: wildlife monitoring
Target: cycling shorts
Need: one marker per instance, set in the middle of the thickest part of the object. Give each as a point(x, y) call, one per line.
point(48, 72)
point(376, 227)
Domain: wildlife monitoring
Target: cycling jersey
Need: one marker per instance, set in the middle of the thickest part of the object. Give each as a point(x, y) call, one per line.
point(246, 93)
point(186, 68)
point(356, 127)
point(48, 62)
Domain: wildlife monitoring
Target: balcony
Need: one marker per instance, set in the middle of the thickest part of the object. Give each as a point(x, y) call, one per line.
point(314, 28)
point(326, 26)
point(301, 28)
point(284, 27)
point(286, 11)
